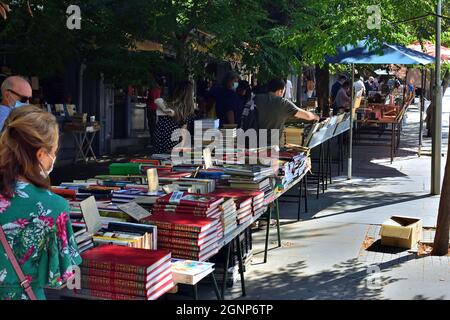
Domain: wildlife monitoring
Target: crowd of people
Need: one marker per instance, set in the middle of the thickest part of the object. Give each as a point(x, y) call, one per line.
point(372, 88)
point(225, 101)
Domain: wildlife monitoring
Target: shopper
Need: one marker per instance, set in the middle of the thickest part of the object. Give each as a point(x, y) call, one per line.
point(289, 91)
point(16, 92)
point(180, 111)
point(335, 89)
point(274, 110)
point(343, 99)
point(153, 93)
point(226, 100)
point(244, 91)
point(36, 221)
point(360, 89)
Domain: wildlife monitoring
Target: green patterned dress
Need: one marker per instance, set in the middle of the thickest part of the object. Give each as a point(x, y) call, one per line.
point(37, 225)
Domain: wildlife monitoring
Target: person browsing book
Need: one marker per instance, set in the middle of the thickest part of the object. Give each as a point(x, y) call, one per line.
point(35, 221)
point(177, 113)
point(274, 110)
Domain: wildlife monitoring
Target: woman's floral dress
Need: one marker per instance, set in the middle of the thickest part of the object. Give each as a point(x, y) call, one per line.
point(37, 225)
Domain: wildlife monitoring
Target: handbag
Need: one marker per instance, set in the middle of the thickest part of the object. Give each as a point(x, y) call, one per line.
point(24, 282)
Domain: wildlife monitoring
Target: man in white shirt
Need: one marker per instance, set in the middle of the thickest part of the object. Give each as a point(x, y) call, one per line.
point(360, 88)
point(288, 92)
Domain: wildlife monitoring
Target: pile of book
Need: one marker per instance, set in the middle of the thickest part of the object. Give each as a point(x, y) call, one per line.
point(188, 203)
point(292, 166)
point(187, 236)
point(195, 185)
point(206, 131)
point(228, 216)
point(190, 272)
point(134, 195)
point(248, 203)
point(121, 273)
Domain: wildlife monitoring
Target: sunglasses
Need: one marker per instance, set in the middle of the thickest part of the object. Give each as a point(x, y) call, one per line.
point(23, 99)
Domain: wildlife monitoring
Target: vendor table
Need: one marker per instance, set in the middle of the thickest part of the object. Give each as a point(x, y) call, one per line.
point(84, 137)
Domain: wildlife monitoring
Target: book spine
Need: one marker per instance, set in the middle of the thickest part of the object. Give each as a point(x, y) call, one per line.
point(175, 227)
point(181, 241)
point(113, 267)
point(106, 281)
point(112, 274)
point(113, 289)
point(111, 296)
point(177, 234)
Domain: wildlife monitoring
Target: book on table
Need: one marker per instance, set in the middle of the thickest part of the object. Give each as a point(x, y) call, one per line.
point(111, 270)
point(190, 272)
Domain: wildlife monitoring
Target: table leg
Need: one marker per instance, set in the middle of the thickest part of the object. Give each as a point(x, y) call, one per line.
point(227, 264)
point(269, 217)
point(306, 192)
point(278, 224)
point(299, 200)
point(195, 292)
point(392, 144)
point(241, 265)
point(89, 146)
point(216, 287)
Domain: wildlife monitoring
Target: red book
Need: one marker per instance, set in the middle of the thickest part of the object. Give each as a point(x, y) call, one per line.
point(181, 222)
point(186, 241)
point(188, 247)
point(125, 275)
point(183, 208)
point(65, 193)
point(124, 259)
point(195, 200)
point(146, 161)
point(187, 235)
point(236, 193)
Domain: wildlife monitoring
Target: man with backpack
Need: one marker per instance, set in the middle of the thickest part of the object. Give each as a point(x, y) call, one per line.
point(274, 110)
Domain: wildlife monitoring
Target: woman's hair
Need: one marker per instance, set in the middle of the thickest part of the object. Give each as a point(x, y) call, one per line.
point(26, 130)
point(182, 101)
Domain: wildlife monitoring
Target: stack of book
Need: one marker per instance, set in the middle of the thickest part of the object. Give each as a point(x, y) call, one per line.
point(244, 199)
point(134, 195)
point(186, 236)
point(193, 204)
point(292, 166)
point(228, 216)
point(195, 185)
point(121, 273)
point(190, 272)
point(209, 131)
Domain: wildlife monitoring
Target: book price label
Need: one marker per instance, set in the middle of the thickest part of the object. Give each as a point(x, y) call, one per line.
point(153, 180)
point(134, 210)
point(207, 157)
point(176, 197)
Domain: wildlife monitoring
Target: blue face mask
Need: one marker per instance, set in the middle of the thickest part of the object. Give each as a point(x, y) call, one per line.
point(19, 104)
point(235, 86)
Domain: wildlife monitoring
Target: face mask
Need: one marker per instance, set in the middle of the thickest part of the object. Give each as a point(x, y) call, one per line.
point(19, 104)
point(235, 86)
point(46, 173)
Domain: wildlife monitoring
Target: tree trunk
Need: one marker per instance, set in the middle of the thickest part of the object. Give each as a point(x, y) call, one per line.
point(441, 239)
point(323, 88)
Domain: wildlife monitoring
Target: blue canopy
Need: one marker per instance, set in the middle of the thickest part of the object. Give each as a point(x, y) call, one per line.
point(390, 54)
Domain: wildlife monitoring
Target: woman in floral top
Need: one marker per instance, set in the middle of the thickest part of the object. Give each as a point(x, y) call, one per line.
point(35, 221)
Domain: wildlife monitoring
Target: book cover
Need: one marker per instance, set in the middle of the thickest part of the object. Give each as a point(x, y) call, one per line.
point(124, 259)
point(196, 200)
point(181, 222)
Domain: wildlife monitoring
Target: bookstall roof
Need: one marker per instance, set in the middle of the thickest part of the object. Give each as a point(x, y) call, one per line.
point(389, 54)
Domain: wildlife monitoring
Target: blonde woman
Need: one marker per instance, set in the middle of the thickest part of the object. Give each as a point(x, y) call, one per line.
point(179, 113)
point(35, 221)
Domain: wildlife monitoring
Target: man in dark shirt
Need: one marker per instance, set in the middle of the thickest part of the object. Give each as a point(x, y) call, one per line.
point(335, 89)
point(226, 99)
point(274, 110)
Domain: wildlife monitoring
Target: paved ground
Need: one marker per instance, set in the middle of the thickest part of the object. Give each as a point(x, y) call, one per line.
point(322, 256)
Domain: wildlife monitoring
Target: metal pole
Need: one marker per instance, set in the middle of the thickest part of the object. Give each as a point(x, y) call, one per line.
point(422, 107)
point(350, 147)
point(437, 112)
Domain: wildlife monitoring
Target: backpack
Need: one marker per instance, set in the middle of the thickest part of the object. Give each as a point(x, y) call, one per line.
point(249, 119)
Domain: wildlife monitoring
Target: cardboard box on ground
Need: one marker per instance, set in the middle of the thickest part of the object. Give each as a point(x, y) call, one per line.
point(401, 231)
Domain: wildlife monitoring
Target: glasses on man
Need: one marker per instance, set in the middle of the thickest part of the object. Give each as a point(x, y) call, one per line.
point(23, 99)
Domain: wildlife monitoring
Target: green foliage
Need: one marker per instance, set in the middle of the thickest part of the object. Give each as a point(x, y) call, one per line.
point(273, 38)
